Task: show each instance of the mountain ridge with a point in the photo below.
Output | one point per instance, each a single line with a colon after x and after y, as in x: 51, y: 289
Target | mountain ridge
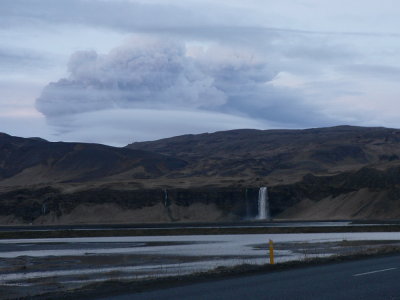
x: 52, y: 162
x: 277, y: 153
x: 341, y: 172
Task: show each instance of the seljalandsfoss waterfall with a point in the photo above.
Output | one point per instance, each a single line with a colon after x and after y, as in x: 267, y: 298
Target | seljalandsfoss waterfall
x: 263, y: 204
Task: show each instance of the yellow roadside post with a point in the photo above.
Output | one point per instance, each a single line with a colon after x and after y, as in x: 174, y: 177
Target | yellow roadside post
x: 271, y: 252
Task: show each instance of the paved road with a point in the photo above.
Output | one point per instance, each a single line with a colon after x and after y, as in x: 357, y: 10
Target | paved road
x: 377, y: 278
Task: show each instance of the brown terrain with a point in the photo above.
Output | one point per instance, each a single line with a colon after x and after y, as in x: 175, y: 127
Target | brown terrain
x: 340, y: 172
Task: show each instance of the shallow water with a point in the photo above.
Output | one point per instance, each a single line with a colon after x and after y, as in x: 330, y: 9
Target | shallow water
x: 72, y: 262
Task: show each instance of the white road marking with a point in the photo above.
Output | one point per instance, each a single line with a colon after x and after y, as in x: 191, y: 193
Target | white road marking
x: 372, y: 272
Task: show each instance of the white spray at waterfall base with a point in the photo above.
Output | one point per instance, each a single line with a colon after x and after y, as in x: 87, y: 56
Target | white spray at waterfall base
x: 263, y: 204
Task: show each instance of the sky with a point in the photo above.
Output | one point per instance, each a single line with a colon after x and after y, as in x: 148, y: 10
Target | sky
x: 120, y: 71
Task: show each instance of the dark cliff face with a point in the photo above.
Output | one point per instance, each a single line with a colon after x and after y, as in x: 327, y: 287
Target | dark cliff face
x: 29, y: 204
x: 316, y: 188
x: 237, y: 203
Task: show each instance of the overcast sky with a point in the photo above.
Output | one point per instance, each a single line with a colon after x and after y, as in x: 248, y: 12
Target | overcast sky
x: 117, y: 71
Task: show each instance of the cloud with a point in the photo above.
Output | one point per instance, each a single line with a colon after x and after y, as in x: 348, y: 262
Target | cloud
x: 12, y: 58
x: 163, y: 75
x: 121, y: 15
x: 379, y: 72
x: 242, y: 23
x: 232, y: 23
x: 215, y: 58
x: 119, y: 127
x: 144, y: 73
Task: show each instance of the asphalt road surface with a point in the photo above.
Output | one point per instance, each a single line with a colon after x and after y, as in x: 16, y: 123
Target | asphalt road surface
x: 374, y: 278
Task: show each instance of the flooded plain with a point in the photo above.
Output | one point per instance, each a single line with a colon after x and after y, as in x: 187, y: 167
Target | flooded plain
x: 35, y: 266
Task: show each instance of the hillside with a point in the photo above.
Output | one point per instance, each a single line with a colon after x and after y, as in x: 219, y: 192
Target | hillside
x: 27, y: 161
x: 340, y: 172
x: 280, y: 156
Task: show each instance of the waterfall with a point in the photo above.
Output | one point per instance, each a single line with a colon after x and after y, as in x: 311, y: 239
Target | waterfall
x: 165, y: 197
x: 263, y: 204
x: 44, y: 209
